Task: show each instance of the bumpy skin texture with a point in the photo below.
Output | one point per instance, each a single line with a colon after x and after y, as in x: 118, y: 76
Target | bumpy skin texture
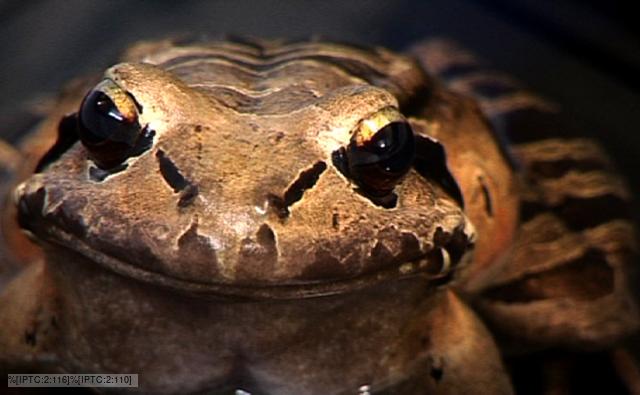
x: 567, y: 277
x: 255, y: 275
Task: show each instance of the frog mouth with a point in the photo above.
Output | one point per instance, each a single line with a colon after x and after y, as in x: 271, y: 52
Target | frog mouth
x: 67, y: 239
x: 417, y: 268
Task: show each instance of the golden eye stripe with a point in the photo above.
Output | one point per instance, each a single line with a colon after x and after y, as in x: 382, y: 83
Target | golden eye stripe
x: 368, y: 127
x: 120, y: 98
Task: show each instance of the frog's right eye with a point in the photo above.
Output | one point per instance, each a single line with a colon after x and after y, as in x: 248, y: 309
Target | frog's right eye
x: 108, y: 124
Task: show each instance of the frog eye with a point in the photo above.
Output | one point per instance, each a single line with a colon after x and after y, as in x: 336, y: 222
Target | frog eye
x: 108, y: 124
x: 379, y: 155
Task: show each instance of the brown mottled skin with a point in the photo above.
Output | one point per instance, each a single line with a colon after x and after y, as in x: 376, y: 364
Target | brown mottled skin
x: 231, y: 284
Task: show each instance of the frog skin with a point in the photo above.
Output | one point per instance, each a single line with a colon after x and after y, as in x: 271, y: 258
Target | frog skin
x: 224, y: 230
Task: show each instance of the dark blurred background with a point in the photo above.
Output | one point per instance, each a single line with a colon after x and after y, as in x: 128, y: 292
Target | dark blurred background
x: 584, y: 55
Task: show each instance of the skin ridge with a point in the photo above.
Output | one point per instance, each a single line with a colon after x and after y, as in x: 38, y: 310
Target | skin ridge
x: 574, y: 207
x: 252, y: 73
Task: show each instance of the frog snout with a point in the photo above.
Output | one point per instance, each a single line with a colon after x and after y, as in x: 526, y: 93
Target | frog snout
x: 38, y: 207
x: 29, y: 206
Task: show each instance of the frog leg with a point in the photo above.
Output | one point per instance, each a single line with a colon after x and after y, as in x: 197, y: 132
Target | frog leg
x: 464, y: 355
x: 565, y: 281
x: 17, y: 161
x: 9, y: 160
x: 441, y: 348
x: 29, y: 323
x: 27, y: 318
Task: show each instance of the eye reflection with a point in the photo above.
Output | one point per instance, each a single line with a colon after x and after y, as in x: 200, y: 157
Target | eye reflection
x: 108, y: 124
x: 380, y: 153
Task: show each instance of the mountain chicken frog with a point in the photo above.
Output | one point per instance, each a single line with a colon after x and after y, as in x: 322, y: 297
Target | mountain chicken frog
x: 308, y: 218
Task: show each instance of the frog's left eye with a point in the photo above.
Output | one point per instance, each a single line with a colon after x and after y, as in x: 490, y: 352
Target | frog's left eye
x: 108, y: 124
x: 379, y: 155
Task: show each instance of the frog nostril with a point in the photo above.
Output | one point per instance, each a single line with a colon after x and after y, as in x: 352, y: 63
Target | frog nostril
x: 170, y: 172
x: 305, y: 180
x: 174, y: 178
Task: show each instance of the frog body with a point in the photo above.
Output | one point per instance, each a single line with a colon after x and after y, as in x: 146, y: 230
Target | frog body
x: 307, y: 218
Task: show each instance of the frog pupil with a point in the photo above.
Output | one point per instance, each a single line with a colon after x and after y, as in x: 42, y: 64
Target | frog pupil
x: 101, y: 120
x: 391, y: 151
x: 379, y: 164
x: 109, y: 135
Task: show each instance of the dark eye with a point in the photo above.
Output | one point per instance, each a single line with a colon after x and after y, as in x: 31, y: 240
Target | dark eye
x: 380, y: 153
x: 108, y: 124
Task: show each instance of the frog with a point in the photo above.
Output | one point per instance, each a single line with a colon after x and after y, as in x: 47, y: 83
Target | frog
x: 308, y: 217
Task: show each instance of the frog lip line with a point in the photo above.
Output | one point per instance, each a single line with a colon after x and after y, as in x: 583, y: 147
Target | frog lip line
x: 56, y: 235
